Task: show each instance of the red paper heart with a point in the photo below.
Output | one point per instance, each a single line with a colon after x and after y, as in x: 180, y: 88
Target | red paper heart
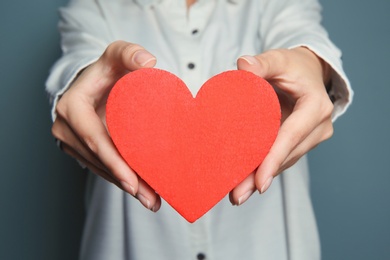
x: 192, y: 151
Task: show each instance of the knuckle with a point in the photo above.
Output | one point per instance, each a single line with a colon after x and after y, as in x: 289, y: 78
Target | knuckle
x: 328, y: 108
x: 120, y: 48
x: 296, y: 138
x: 293, y: 160
x: 112, y: 48
x: 129, y: 49
x: 279, y: 56
x: 117, y: 55
x: 328, y: 133
x: 293, y: 138
x: 59, y: 129
x: 92, y: 144
x: 56, y: 130
x: 65, y: 102
x: 61, y: 108
x: 324, y: 107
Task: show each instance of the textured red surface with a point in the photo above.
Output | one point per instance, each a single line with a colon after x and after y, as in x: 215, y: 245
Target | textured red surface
x: 193, y: 151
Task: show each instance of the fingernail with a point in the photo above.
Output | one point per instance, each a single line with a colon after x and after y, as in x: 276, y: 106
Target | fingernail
x: 244, y: 197
x: 144, y: 201
x: 143, y: 57
x: 266, y: 185
x: 250, y: 59
x: 128, y: 188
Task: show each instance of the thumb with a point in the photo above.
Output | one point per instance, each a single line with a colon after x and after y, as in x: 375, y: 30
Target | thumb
x: 268, y: 65
x: 121, y: 55
x: 118, y: 59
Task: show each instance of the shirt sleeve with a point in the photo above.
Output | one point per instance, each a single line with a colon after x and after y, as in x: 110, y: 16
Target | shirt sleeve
x: 84, y: 36
x: 293, y: 23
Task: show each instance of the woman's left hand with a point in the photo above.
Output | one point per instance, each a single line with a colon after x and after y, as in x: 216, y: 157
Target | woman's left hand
x: 299, y: 78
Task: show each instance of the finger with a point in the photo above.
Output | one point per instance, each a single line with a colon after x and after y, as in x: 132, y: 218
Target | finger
x: 62, y: 131
x: 86, y: 124
x: 147, y: 196
x: 119, y: 58
x: 121, y: 54
x: 70, y: 151
x: 280, y: 68
x: 323, y: 130
x: 284, y: 69
x: 90, y: 90
x: 318, y: 135
x: 286, y: 66
x: 243, y: 191
x: 97, y: 140
x: 294, y: 130
x: 268, y: 65
x: 71, y: 145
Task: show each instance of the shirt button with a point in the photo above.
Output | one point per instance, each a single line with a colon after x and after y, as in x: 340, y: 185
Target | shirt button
x: 191, y: 65
x: 201, y: 256
x: 195, y: 31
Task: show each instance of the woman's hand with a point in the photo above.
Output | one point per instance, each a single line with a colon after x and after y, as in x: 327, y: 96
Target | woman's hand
x: 299, y: 78
x: 80, y: 123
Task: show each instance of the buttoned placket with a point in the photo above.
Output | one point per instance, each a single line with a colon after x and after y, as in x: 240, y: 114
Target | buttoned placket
x: 185, y: 28
x: 200, y: 240
x: 189, y: 52
x: 197, y: 19
x: 191, y: 56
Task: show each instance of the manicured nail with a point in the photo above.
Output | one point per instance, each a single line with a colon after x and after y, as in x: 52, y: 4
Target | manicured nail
x: 244, y: 197
x: 266, y: 185
x: 156, y: 206
x: 250, y: 59
x: 144, y: 201
x: 143, y: 57
x: 128, y: 188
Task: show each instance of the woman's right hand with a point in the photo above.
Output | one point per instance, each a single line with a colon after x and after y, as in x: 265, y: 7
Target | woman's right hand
x: 81, y: 127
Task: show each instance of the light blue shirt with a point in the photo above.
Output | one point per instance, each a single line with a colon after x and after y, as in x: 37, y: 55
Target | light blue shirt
x: 196, y: 44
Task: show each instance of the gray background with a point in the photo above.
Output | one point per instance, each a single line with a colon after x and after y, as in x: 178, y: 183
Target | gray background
x: 41, y: 190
